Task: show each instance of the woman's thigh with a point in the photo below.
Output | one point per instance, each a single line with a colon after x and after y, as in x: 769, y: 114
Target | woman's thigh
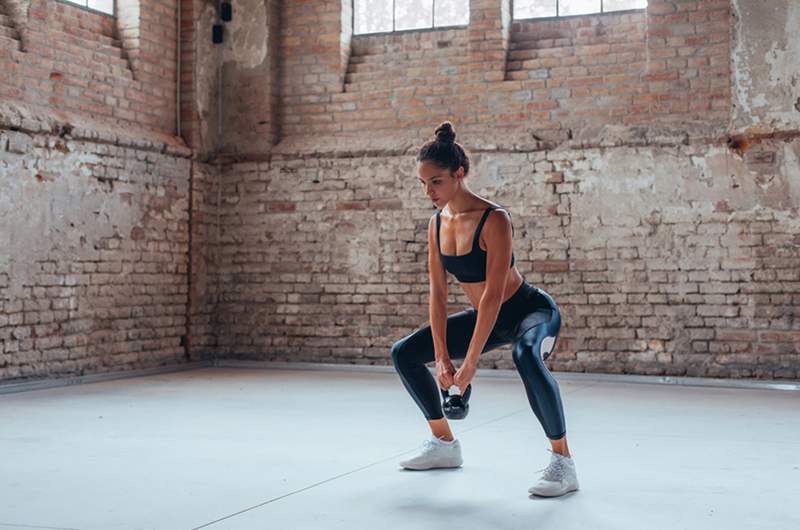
x: 418, y: 346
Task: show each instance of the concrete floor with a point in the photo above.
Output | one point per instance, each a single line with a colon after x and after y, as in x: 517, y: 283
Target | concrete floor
x: 233, y: 448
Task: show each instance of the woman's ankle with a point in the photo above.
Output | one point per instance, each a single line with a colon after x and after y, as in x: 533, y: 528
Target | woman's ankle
x: 441, y: 429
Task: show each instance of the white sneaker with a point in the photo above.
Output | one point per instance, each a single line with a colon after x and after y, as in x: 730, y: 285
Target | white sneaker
x: 558, y: 478
x: 435, y: 454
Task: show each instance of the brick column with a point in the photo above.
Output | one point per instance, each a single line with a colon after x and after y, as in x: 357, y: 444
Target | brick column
x: 688, y: 58
x: 314, y: 50
x: 489, y: 30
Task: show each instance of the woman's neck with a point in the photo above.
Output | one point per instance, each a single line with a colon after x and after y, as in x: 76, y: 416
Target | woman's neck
x: 461, y: 202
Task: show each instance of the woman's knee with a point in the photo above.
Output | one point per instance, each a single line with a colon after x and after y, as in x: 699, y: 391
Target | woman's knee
x: 397, y: 353
x: 519, y: 352
x: 527, y: 352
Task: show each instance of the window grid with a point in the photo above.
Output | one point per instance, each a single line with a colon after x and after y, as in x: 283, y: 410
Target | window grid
x: 559, y: 14
x: 394, y: 18
x: 558, y: 11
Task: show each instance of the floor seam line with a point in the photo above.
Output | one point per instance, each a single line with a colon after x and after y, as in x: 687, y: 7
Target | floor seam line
x: 341, y: 475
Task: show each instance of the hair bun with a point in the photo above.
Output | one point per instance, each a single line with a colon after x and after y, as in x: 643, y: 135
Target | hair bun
x: 445, y: 133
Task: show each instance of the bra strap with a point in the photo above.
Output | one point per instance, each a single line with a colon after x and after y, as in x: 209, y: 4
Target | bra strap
x: 438, y: 223
x: 483, y: 220
x: 477, y: 236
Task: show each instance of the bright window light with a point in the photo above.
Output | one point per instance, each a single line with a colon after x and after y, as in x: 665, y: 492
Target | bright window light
x: 104, y: 6
x: 376, y: 16
x: 565, y: 8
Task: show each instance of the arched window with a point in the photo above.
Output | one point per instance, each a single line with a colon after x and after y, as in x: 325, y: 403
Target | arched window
x: 379, y: 16
x: 103, y: 6
x: 565, y: 8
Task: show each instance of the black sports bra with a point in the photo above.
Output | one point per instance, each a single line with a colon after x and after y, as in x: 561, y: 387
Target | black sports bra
x: 471, y: 267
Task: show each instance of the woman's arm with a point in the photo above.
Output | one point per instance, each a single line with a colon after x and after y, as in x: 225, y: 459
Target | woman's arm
x: 498, y: 248
x: 437, y: 305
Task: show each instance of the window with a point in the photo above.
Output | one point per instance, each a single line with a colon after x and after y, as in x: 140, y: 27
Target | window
x: 104, y: 6
x: 564, y: 8
x: 376, y: 16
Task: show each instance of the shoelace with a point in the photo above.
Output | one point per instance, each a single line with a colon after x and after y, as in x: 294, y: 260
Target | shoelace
x: 555, y: 471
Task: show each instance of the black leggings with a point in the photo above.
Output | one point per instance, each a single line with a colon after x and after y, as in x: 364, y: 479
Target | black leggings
x: 530, y: 319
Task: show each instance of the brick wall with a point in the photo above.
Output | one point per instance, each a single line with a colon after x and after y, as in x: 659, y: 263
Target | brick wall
x: 688, y: 65
x: 75, y: 60
x: 673, y: 260
x: 668, y: 238
x: 199, y: 77
x: 250, y: 78
x: 95, y: 236
x: 101, y: 205
x: 203, y: 250
x: 670, y: 249
x: 670, y: 62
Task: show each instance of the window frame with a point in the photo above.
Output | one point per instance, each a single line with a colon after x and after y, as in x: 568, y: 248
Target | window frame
x: 601, y: 12
x: 393, y: 30
x: 74, y: 3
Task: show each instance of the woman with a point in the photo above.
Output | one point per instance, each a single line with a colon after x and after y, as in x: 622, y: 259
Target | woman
x: 505, y: 310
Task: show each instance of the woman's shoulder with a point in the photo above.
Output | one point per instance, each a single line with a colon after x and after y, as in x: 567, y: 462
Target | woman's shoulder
x: 495, y: 207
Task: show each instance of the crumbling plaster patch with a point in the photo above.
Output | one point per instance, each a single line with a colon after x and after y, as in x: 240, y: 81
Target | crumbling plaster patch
x: 206, y: 78
x: 620, y: 187
x: 249, y: 34
x: 766, y: 65
x: 49, y: 208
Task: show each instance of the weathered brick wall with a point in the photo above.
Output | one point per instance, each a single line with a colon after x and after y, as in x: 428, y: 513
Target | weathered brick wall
x: 668, y: 238
x: 688, y: 60
x: 199, y: 77
x: 67, y: 58
x: 250, y: 76
x: 93, y: 260
x: 98, y: 221
x: 95, y: 246
x: 678, y: 259
x: 670, y: 62
x: 653, y: 188
x: 204, y: 234
x: 311, y: 49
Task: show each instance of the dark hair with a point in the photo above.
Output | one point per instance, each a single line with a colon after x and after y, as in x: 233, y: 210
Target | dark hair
x: 444, y: 151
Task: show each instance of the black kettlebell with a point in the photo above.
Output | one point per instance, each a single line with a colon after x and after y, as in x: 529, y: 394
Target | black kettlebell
x: 456, y: 406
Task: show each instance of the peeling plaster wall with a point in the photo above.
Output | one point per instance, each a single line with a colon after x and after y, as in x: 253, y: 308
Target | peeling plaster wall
x: 677, y: 259
x: 249, y: 75
x: 247, y: 34
x: 204, y: 94
x: 95, y: 245
x: 766, y: 65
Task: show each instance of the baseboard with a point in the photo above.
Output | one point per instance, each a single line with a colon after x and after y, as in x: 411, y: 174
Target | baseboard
x: 759, y: 384
x: 41, y: 384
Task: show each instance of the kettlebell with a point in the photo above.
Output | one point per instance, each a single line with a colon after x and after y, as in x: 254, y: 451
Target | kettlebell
x: 456, y: 406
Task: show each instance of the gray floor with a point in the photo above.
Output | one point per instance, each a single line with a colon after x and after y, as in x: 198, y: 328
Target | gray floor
x: 233, y: 448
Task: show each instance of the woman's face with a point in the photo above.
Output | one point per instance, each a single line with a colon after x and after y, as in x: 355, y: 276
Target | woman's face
x: 439, y: 184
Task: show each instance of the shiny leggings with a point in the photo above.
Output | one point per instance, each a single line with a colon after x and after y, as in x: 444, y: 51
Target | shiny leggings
x: 530, y: 320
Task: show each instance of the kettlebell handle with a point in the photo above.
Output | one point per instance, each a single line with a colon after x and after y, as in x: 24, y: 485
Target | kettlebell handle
x: 467, y: 392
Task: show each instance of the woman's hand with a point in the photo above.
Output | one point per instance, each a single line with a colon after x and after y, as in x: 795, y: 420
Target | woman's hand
x: 465, y: 374
x: 444, y: 373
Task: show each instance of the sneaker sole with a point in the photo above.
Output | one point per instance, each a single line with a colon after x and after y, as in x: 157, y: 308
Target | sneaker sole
x: 448, y: 466
x: 553, y: 494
